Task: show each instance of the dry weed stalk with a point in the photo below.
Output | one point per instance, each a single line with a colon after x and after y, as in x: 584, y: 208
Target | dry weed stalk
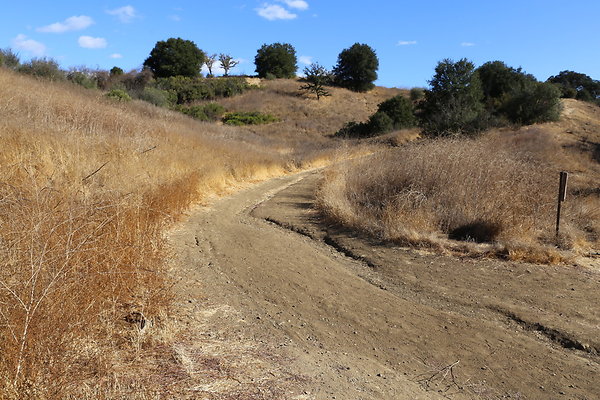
x: 499, y: 189
x: 84, y: 206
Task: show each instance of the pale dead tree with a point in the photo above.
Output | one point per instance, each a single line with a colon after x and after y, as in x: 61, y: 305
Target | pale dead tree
x: 227, y: 62
x: 210, y: 61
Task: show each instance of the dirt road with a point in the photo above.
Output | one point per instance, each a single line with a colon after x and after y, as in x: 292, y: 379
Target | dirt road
x: 289, y: 308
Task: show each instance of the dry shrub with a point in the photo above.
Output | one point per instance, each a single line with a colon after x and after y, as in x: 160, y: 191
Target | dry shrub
x: 88, y: 188
x: 500, y: 189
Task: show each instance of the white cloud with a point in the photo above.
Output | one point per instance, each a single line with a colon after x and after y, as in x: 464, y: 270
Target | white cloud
x: 88, y: 42
x: 467, y: 44
x: 306, y: 60
x: 116, y: 55
x: 124, y: 14
x: 406, y: 43
x: 30, y: 46
x: 175, y: 18
x: 274, y: 12
x: 297, y: 4
x: 75, y: 23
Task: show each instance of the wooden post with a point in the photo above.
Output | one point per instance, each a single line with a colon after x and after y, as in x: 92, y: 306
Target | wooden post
x: 562, y: 196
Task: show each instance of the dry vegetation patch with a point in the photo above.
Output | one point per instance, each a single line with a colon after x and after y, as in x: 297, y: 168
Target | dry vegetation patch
x: 495, y: 194
x: 88, y: 187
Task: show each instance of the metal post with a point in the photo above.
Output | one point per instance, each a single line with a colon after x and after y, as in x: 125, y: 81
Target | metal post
x: 562, y: 196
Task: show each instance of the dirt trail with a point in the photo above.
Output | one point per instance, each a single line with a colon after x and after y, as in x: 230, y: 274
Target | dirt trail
x: 314, y: 313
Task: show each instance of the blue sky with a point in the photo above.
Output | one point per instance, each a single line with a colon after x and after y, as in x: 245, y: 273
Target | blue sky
x: 409, y: 37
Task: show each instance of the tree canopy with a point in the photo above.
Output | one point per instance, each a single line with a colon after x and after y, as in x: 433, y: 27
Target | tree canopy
x: 577, y: 85
x: 454, y: 102
x: 175, y: 57
x: 356, y: 68
x: 277, y: 60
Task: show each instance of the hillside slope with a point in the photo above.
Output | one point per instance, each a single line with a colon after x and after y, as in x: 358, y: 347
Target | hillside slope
x: 494, y: 194
x: 88, y: 187
x: 302, y: 113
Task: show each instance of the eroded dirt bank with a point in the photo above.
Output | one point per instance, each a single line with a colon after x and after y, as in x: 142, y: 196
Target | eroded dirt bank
x: 316, y: 313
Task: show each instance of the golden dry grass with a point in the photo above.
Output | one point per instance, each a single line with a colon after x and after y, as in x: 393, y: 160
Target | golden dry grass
x: 499, y: 189
x: 88, y: 188
x: 302, y: 115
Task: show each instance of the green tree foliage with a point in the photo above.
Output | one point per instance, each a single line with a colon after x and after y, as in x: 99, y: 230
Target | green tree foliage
x: 84, y: 77
x: 392, y: 114
x: 227, y: 63
x: 116, y: 71
x: 175, y: 57
x: 9, y: 59
x: 513, y: 95
x: 277, y: 59
x: 499, y: 82
x: 453, y: 105
x: 577, y: 85
x: 46, y: 68
x: 538, y: 102
x: 356, y: 68
x: 400, y: 110
x: 417, y: 94
x: 316, y: 77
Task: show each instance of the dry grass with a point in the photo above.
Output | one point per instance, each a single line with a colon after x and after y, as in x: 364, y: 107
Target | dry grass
x: 493, y: 195
x: 301, y: 114
x: 87, y: 189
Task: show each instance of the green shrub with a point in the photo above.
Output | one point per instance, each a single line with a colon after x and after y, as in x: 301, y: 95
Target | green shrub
x: 394, y: 113
x: 118, y: 94
x: 379, y: 123
x: 417, y: 93
x: 189, y: 90
x: 158, y: 97
x: 45, y: 68
x: 352, y: 129
x: 400, y: 110
x: 539, y: 102
x: 248, y: 118
x: 9, y: 59
x: 83, y: 77
x: 206, y: 112
x: 214, y: 111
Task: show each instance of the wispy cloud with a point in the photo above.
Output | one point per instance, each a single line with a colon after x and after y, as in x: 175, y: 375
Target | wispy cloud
x: 274, y: 12
x: 116, y: 56
x: 30, y: 46
x: 306, y: 60
x: 175, y: 18
x: 297, y: 4
x: 124, y: 14
x: 467, y: 44
x: 88, y: 42
x: 406, y: 43
x: 75, y: 23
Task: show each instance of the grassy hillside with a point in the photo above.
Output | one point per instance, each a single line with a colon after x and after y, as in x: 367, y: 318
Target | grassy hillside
x: 495, y: 194
x: 301, y: 113
x: 88, y: 187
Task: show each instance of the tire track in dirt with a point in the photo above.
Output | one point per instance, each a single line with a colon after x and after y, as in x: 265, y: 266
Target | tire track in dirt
x: 324, y: 319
